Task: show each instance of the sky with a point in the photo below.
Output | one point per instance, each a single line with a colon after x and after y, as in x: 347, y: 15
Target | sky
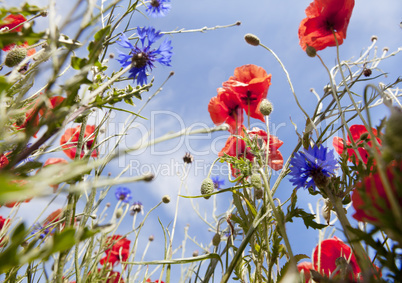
x: 201, y: 62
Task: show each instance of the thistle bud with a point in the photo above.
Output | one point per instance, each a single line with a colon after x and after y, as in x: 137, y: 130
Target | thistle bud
x: 252, y: 39
x: 311, y: 51
x: 15, y: 56
x: 266, y: 107
x: 216, y: 239
x: 207, y: 187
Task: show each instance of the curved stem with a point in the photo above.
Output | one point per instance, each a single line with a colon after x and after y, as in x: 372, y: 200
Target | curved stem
x: 362, y: 257
x: 288, y: 78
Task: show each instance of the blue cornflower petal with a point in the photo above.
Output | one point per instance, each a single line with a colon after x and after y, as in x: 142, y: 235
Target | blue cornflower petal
x: 310, y: 162
x: 218, y: 182
x: 124, y: 42
x: 158, y: 8
x: 142, y: 58
x: 123, y: 194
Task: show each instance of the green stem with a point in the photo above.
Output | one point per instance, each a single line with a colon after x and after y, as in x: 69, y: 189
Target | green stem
x: 353, y: 240
x: 279, y: 219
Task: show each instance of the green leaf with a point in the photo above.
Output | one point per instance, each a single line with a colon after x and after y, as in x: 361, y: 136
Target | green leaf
x: 285, y: 267
x: 8, y: 257
x: 95, y: 47
x: 11, y: 191
x: 78, y: 63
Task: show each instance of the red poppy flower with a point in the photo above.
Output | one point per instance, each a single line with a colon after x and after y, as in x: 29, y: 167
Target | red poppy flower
x: 14, y: 203
x: 156, y: 281
x: 226, y: 108
x: 3, y: 223
x: 369, y: 198
x: 324, y: 258
x: 251, y: 83
x: 53, y: 103
x: 53, y: 217
x: 275, y: 156
x: 10, y: 22
x: 118, y: 250
x: 112, y: 277
x: 31, y: 119
x: 70, y: 138
x: 331, y: 249
x: 305, y: 267
x: 237, y: 148
x: 357, y: 131
x: 323, y: 17
x: 3, y: 161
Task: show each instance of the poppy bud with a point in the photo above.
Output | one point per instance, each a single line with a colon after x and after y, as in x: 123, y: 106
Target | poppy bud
x: 266, y: 107
x: 252, y: 39
x: 15, y: 56
x: 311, y: 51
x: 364, y: 136
x: 195, y: 253
x: 207, y: 187
x: 166, y: 199
x: 255, y: 181
x: 374, y: 37
x: 149, y: 177
x: 216, y: 239
x: 347, y: 199
x: 151, y: 238
x: 119, y: 213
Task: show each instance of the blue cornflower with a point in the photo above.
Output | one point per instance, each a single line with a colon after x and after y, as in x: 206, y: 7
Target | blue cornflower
x: 142, y: 58
x: 312, y: 165
x: 218, y: 182
x: 123, y: 194
x: 38, y: 228
x: 158, y: 8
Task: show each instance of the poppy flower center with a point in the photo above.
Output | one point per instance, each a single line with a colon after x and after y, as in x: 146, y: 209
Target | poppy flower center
x: 329, y: 25
x: 140, y: 59
x: 155, y: 3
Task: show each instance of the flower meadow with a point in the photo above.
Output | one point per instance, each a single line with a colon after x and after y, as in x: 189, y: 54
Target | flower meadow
x: 137, y: 147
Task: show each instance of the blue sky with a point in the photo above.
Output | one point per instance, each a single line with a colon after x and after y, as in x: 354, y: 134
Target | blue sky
x: 201, y: 62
